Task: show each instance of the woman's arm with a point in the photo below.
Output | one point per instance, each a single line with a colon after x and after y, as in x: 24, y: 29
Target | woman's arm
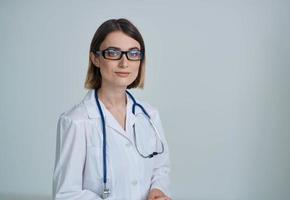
x: 160, y: 179
x: 69, y: 162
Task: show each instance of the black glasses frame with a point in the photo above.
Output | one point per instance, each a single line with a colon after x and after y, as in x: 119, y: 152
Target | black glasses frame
x: 103, y: 53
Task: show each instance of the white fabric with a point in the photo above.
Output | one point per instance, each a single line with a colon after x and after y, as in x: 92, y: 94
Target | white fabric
x: 78, y: 171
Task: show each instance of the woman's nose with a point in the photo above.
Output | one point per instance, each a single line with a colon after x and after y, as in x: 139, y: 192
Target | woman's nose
x: 124, y: 61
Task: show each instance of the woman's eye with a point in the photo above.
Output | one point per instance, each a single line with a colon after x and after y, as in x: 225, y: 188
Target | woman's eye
x: 113, y: 53
x: 134, y: 53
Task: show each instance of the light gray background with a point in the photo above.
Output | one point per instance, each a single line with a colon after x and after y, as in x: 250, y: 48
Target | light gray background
x: 218, y: 71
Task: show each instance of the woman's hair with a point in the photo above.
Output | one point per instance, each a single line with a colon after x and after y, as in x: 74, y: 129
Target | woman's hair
x: 94, y: 78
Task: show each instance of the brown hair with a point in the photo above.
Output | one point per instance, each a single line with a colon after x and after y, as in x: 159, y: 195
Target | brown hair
x: 94, y: 78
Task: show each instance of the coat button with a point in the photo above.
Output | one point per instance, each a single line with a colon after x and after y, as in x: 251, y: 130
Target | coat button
x: 135, y: 182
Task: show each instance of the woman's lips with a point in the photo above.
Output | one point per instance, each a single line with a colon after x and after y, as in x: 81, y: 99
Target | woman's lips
x: 122, y: 74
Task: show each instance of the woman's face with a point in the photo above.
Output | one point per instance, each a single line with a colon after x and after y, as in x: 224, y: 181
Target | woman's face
x: 117, y: 73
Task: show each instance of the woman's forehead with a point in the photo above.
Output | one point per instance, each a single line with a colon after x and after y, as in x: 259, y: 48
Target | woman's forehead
x: 120, y: 40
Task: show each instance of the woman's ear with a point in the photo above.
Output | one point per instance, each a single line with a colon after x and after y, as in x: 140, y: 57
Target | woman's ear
x: 95, y: 60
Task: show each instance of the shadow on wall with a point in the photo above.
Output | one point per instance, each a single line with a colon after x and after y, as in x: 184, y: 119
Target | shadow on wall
x: 24, y: 197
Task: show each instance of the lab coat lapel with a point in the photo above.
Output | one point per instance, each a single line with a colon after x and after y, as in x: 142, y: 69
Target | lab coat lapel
x: 113, y: 123
x: 91, y: 105
x: 130, y: 119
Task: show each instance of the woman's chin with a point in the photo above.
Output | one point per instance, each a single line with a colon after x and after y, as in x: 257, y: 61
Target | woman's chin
x: 124, y: 81
x: 123, y: 84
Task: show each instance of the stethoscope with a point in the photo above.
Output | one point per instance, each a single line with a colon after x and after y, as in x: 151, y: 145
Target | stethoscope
x: 106, y: 190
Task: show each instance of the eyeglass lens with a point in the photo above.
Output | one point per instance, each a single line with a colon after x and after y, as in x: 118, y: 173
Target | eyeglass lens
x: 115, y: 54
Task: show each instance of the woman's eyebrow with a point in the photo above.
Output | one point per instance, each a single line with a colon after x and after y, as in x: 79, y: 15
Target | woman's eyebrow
x: 112, y: 47
x: 134, y: 48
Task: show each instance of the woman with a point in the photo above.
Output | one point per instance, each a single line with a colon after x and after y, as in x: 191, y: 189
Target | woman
x: 106, y: 147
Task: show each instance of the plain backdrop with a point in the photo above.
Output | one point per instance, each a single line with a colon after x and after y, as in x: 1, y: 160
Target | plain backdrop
x: 218, y: 71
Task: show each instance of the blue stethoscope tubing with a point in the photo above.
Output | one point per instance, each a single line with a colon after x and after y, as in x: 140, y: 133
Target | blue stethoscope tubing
x: 106, y: 191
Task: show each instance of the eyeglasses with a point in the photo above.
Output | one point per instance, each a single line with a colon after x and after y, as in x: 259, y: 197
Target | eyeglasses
x: 116, y: 54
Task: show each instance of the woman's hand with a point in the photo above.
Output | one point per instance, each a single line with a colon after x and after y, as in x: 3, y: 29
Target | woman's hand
x: 156, y: 194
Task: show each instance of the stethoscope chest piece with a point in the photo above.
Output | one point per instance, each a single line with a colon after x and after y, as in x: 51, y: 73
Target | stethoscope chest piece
x: 106, y: 193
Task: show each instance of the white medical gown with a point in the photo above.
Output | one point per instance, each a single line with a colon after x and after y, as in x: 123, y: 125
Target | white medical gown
x: 78, y: 171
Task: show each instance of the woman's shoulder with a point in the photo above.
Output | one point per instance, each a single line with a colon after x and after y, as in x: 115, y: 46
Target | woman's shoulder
x: 77, y: 112
x: 150, y: 108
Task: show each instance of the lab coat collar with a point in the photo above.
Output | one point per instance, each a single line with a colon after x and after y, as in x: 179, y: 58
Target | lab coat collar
x: 93, y: 112
x: 91, y: 105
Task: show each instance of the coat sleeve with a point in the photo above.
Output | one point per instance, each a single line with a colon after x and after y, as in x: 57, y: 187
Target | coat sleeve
x: 160, y: 179
x: 69, y: 161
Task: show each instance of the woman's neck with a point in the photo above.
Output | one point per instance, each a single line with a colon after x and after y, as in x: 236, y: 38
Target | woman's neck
x: 113, y: 97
